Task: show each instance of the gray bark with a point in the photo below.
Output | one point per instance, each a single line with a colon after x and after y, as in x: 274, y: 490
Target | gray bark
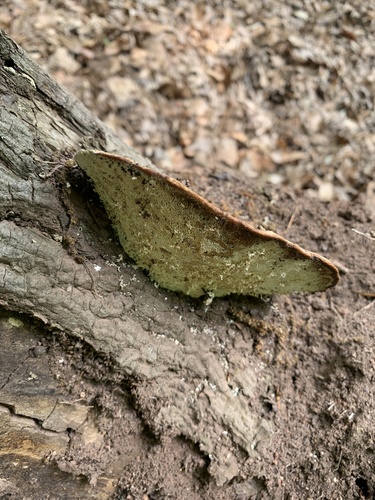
x: 164, y: 342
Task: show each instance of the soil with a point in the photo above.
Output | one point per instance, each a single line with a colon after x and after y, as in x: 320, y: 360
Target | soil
x: 319, y: 347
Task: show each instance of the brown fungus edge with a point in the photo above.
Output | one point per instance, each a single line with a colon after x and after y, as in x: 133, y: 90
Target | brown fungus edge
x: 242, y: 228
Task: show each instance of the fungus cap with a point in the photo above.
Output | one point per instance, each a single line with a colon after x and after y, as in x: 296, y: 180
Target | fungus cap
x: 189, y: 245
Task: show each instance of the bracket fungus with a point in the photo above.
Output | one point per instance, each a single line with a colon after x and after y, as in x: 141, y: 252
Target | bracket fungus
x: 189, y: 245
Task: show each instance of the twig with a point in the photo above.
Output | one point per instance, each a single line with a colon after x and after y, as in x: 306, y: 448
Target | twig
x: 366, y: 235
x: 291, y: 220
x: 364, y: 308
x: 339, y: 462
x: 368, y: 295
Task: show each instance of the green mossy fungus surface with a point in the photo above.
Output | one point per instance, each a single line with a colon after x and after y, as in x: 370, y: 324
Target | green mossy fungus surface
x: 188, y: 245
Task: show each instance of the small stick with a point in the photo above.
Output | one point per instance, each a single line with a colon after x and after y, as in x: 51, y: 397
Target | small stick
x: 366, y: 235
x: 291, y: 220
x: 369, y: 295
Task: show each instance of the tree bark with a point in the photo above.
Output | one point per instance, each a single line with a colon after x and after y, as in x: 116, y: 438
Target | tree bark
x: 162, y: 343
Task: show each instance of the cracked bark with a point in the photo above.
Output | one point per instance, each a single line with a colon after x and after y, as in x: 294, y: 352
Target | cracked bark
x: 159, y: 340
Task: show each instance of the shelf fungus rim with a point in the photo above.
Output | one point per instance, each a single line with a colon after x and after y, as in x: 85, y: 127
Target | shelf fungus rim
x: 189, y: 245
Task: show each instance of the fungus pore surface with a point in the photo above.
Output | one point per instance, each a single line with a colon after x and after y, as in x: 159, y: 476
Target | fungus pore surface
x: 189, y: 245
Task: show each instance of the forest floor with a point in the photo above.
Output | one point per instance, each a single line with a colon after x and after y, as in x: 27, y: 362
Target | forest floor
x: 228, y: 95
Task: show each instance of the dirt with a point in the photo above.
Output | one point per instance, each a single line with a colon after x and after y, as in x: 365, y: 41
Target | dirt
x: 302, y: 138
x: 318, y: 348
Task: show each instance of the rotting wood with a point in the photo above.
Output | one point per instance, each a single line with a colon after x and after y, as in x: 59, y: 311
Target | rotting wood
x: 155, y: 337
